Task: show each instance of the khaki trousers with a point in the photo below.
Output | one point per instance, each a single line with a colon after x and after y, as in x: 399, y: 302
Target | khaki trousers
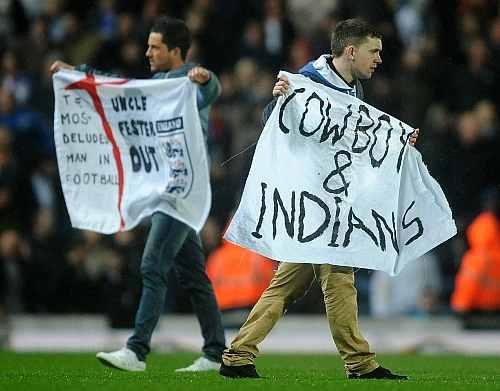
x: 291, y: 281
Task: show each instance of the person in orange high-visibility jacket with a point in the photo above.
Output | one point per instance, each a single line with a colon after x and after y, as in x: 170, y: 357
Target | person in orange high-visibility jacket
x: 238, y: 275
x: 477, y: 284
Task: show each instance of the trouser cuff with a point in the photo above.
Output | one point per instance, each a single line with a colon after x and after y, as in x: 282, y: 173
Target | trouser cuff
x: 232, y: 358
x: 363, y: 368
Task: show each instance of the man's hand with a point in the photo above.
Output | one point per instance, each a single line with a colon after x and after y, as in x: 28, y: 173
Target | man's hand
x: 199, y: 75
x: 414, y: 137
x: 281, y: 86
x: 58, y: 65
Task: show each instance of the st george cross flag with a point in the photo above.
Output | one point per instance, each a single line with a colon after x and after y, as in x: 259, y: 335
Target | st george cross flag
x: 334, y: 180
x: 129, y: 148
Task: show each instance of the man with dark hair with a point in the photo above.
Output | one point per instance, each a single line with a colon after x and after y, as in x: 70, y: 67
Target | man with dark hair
x: 356, y: 49
x: 351, y: 32
x: 171, y: 243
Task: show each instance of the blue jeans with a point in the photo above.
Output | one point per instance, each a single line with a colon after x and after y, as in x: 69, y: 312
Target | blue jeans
x: 172, y: 243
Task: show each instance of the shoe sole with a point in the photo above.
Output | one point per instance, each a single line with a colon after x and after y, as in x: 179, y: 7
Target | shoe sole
x: 109, y: 364
x: 197, y: 370
x: 379, y: 378
x: 232, y: 375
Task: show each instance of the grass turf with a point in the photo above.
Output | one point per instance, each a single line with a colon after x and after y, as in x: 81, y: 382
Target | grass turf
x: 77, y: 371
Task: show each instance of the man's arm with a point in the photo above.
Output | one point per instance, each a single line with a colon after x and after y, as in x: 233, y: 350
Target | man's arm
x: 58, y: 65
x: 414, y: 137
x: 279, y: 89
x: 209, y: 86
x: 85, y: 68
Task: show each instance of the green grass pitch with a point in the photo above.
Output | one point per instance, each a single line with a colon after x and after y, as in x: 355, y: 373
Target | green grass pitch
x: 81, y: 371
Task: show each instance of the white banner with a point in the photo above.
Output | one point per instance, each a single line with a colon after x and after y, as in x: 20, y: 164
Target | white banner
x: 129, y: 148
x: 334, y: 180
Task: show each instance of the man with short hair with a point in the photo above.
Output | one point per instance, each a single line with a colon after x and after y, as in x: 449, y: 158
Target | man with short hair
x: 171, y: 243
x: 356, y: 49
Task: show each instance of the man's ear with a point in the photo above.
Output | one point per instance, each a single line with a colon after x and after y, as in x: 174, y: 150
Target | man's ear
x: 350, y: 51
x: 177, y: 51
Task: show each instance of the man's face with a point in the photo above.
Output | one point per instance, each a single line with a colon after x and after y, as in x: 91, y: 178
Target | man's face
x: 158, y: 54
x: 366, y: 58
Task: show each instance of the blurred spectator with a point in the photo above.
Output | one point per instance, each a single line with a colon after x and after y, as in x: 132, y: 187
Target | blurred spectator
x: 321, y: 34
x: 210, y: 235
x: 18, y: 17
x: 307, y: 14
x: 39, y: 45
x: 300, y: 54
x: 75, y: 287
x: 150, y: 11
x: 16, y: 198
x: 43, y: 182
x: 409, y: 20
x: 476, y: 80
x: 121, y: 53
x: 472, y: 153
x: 415, y: 100
x: 486, y: 114
x: 79, y: 44
x: 14, y: 258
x: 14, y: 80
x: 494, y: 43
x: 415, y: 291
x: 380, y: 93
x: 55, y: 20
x: 477, y: 285
x: 43, y: 91
x: 45, y: 264
x: 435, y: 146
x: 104, y: 19
x: 252, y: 44
x: 10, y: 283
x: 279, y: 32
x: 121, y: 279
x: 4, y: 287
x: 4, y: 323
x: 8, y: 207
x: 238, y: 275
x: 32, y: 136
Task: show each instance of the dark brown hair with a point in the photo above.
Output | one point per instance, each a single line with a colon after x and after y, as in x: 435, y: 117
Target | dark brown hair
x: 351, y: 32
x: 174, y: 33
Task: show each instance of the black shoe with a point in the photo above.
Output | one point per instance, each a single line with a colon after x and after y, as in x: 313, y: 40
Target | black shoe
x: 378, y: 373
x: 239, y: 371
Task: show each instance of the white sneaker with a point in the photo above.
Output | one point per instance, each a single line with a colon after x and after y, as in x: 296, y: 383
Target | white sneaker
x: 124, y: 359
x: 201, y: 364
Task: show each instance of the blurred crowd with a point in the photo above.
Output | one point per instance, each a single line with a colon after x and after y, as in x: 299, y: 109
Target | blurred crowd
x: 440, y: 72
